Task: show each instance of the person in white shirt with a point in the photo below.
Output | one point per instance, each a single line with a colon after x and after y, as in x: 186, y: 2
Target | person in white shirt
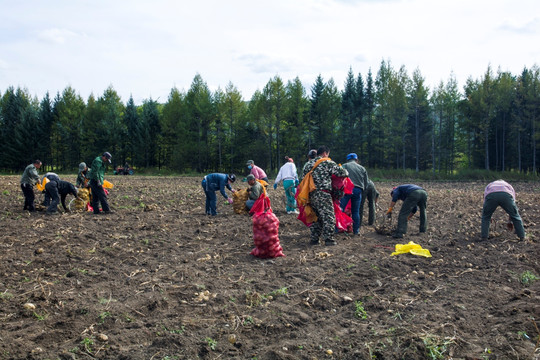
x: 287, y: 173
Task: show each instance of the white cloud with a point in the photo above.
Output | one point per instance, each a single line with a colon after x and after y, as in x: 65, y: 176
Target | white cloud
x: 57, y: 36
x: 3, y: 65
x: 146, y: 48
x: 530, y: 27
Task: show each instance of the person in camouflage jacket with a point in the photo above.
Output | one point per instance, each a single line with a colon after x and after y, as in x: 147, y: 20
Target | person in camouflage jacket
x: 321, y: 198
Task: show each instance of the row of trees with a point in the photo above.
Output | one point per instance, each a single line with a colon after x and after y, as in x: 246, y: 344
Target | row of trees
x: 392, y: 120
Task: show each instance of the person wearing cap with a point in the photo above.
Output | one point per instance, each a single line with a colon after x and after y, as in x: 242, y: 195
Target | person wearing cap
x: 212, y: 183
x: 82, y: 176
x: 287, y: 173
x: 256, y: 171
x: 413, y: 197
x: 322, y: 168
x: 312, y: 154
x: 57, y: 190
x: 29, y: 178
x: 372, y: 195
x: 254, y: 191
x: 500, y: 193
x: 97, y: 175
x: 359, y: 177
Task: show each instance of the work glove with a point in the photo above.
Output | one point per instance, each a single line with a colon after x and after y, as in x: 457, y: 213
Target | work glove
x: 389, y: 213
x: 230, y: 200
x: 510, y: 226
x: 275, y: 186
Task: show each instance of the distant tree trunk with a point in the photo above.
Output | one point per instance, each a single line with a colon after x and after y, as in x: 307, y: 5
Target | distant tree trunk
x: 433, y: 149
x: 519, y: 148
x: 440, y: 141
x: 533, y: 134
x: 486, y: 141
x: 417, y: 139
x: 496, y: 148
x: 503, y: 152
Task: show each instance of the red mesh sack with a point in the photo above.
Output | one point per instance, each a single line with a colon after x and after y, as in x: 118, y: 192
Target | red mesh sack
x: 265, y: 230
x: 343, y: 221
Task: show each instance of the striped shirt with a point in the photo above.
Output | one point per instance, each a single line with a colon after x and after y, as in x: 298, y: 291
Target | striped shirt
x: 500, y: 186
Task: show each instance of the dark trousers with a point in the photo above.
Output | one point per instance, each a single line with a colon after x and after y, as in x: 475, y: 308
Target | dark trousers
x: 356, y: 199
x: 98, y: 196
x: 415, y: 198
x: 51, y: 192
x: 29, y: 197
x: 506, y: 201
x: 371, y: 197
x: 211, y: 199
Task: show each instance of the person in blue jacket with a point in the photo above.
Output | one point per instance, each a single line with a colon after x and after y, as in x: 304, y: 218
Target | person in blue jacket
x: 413, y: 197
x: 212, y: 183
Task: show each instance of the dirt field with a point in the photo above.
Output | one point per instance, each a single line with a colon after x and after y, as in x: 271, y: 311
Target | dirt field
x: 160, y: 280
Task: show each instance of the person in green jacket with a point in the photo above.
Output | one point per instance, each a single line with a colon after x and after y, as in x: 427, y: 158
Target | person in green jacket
x: 29, y: 178
x: 372, y: 196
x: 255, y: 190
x: 97, y: 174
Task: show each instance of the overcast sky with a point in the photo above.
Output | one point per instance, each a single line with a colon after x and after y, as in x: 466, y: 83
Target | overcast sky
x: 145, y: 48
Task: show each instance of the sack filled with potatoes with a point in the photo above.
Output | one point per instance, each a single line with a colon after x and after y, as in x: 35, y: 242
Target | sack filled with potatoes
x: 239, y: 201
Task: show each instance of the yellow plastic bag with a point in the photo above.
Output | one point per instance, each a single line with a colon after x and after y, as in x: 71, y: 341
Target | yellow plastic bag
x: 41, y: 186
x: 412, y: 248
x: 107, y: 185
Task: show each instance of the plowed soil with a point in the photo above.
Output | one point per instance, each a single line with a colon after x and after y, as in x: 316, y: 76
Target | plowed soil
x: 158, y: 279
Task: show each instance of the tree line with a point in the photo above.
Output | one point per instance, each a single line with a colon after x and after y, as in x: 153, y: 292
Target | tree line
x: 391, y: 120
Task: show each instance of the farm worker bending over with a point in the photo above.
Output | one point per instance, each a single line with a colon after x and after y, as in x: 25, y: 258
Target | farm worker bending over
x: 413, y: 196
x: 50, y: 176
x: 29, y: 178
x: 58, y: 187
x: 212, y: 183
x: 82, y: 177
x: 372, y: 196
x: 320, y: 198
x: 256, y: 171
x: 500, y: 193
x: 99, y: 165
x: 359, y: 177
x: 254, y: 191
x: 287, y: 173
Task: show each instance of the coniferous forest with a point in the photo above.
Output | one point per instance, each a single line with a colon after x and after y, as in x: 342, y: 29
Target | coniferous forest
x: 391, y: 119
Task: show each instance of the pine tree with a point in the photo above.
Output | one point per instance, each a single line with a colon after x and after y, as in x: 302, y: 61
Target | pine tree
x: 199, y: 116
x: 172, y: 131
x: 134, y: 142
x: 296, y: 120
x: 347, y: 128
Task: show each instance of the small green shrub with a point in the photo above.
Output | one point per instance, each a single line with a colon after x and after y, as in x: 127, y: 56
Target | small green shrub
x: 359, y: 311
x: 528, y: 277
x: 212, y: 344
